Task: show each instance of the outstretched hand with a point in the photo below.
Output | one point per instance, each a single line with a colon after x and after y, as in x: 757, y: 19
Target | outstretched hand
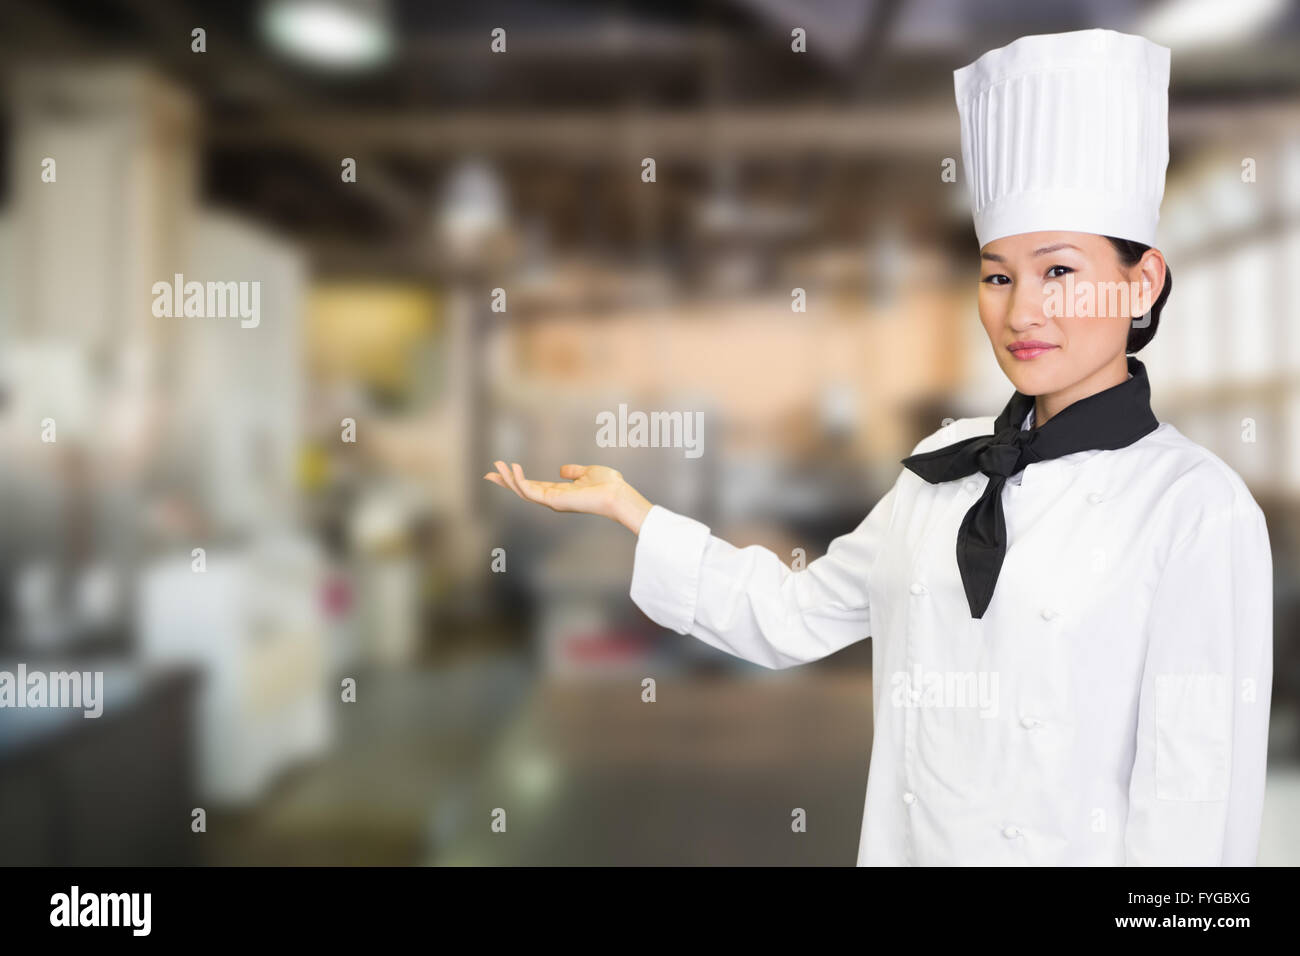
x: 592, y: 489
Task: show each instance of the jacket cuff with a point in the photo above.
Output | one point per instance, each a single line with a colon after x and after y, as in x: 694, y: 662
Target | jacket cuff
x: 666, y: 567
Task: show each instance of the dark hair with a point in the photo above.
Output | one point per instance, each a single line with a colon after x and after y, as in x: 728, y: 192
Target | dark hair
x: 1142, y: 331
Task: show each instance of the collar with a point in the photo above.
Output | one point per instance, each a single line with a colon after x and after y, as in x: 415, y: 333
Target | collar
x: 1077, y: 458
x: 1112, y: 418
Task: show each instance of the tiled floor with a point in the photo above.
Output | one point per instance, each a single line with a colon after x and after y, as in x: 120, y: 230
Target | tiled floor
x: 586, y: 773
x: 708, y: 774
x: 411, y: 741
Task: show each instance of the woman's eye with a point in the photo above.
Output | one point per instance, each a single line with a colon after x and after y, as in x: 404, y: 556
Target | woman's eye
x: 1052, y: 270
x: 995, y: 279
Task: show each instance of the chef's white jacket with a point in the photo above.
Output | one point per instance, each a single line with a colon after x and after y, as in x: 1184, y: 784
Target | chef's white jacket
x: 1110, y: 708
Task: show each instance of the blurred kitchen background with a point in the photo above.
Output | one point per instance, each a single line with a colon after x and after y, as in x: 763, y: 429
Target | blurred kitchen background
x: 222, y: 156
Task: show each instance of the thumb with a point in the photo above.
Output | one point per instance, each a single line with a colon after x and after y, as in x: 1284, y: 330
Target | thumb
x: 572, y: 471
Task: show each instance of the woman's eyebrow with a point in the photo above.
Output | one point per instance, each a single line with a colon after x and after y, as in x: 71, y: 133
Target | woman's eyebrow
x: 993, y: 256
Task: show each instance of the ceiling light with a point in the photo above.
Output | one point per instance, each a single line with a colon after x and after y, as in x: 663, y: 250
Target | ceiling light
x: 1186, y: 24
x: 337, y: 33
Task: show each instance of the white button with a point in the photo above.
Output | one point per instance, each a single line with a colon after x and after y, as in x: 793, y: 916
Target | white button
x: 1095, y: 497
x: 1029, y: 722
x: 972, y: 485
x: 918, y: 587
x: 1049, y: 614
x: 1010, y: 832
x: 909, y: 798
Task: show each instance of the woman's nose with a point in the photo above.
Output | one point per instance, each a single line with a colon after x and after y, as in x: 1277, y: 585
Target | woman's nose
x: 1026, y: 307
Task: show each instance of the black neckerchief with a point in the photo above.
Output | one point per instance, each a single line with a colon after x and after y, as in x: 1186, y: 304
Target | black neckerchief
x: 1112, y: 418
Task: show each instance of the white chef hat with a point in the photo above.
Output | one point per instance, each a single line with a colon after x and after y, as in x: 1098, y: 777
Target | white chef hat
x: 1066, y: 131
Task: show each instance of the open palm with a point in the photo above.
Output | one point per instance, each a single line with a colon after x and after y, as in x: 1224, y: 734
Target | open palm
x: 592, y: 488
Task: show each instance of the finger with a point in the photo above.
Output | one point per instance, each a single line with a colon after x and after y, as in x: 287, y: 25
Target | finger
x: 533, y: 490
x: 525, y: 486
x: 493, y: 477
x: 572, y: 471
x: 508, y: 470
x: 508, y: 478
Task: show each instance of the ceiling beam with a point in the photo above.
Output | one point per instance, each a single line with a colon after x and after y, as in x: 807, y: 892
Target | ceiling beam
x: 687, y: 135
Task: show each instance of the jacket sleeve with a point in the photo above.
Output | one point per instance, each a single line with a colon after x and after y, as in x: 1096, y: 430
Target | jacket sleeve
x: 747, y: 601
x: 1196, y: 791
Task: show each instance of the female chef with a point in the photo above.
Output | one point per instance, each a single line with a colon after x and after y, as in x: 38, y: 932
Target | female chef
x: 1071, y: 602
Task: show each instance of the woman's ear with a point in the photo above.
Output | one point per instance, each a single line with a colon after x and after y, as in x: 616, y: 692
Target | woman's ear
x: 1151, y: 279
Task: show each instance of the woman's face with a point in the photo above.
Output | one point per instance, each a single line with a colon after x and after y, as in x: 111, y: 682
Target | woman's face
x: 1068, y: 292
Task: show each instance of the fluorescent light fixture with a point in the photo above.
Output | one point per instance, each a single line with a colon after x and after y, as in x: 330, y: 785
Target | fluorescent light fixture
x: 335, y: 33
x: 1187, y: 24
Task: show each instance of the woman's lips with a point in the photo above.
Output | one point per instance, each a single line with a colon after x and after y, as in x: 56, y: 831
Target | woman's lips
x: 1028, y: 351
